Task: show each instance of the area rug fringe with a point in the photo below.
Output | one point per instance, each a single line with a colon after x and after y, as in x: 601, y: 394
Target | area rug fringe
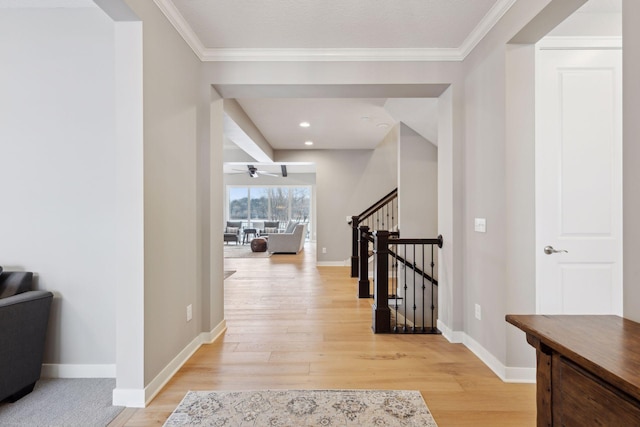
x: 302, y: 408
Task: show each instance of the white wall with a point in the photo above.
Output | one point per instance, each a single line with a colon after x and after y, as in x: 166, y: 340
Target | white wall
x: 491, y: 192
x: 520, y: 196
x: 631, y: 151
x: 589, y: 24
x: 484, y: 253
x: 347, y: 182
x: 58, y: 177
x: 417, y: 185
x: 172, y: 245
x: 449, y: 266
x: 211, y: 140
x: 129, y: 288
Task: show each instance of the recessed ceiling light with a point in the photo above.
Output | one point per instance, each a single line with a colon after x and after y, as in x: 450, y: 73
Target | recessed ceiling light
x: 308, y: 143
x: 365, y: 118
x: 304, y: 124
x: 383, y: 125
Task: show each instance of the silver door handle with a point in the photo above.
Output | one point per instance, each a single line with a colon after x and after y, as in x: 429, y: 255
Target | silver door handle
x: 549, y: 250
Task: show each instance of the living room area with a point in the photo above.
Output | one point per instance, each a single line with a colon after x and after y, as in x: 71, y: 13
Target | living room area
x: 270, y: 214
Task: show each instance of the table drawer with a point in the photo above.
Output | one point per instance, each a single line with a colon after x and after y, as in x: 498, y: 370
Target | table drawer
x: 581, y: 399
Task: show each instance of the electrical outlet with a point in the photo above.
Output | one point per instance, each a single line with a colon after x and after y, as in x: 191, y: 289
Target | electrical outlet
x: 324, y: 250
x: 478, y: 312
x: 189, y: 312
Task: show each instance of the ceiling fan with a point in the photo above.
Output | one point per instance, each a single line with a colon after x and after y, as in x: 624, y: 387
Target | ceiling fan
x: 254, y: 172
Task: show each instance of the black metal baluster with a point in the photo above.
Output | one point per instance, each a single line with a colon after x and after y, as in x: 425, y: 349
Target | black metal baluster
x: 406, y: 287
x: 433, y: 306
x: 423, y: 291
x: 415, y: 307
x: 363, y: 263
x: 394, y: 289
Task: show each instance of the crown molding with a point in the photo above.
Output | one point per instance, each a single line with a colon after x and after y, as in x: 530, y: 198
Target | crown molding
x: 181, y: 25
x: 49, y: 4
x: 361, y: 55
x: 358, y: 55
x: 482, y: 29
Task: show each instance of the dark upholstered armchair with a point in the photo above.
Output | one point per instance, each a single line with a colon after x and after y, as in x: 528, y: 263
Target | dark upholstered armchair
x: 232, y: 231
x: 24, y: 315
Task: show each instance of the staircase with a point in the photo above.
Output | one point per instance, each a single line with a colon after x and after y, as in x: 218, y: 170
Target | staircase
x: 405, y: 284
x: 382, y: 215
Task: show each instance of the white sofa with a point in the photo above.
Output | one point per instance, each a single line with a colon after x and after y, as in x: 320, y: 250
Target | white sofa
x: 291, y: 243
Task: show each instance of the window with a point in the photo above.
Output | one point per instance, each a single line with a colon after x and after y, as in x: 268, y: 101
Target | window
x: 259, y: 203
x: 279, y: 204
x: 300, y: 203
x: 256, y: 204
x: 238, y: 203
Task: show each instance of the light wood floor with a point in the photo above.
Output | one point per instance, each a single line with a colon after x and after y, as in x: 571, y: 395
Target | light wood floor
x: 292, y: 325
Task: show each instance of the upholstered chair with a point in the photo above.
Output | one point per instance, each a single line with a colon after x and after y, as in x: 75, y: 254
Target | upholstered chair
x: 232, y: 231
x: 270, y: 227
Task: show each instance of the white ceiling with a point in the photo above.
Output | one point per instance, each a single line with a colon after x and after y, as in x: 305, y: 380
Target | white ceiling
x: 355, y: 123
x: 241, y: 168
x: 336, y: 30
x: 276, y: 24
x: 360, y: 117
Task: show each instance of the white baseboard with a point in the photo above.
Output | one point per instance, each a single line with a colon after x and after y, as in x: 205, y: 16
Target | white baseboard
x: 505, y: 373
x: 53, y: 370
x: 172, y: 368
x: 131, y: 398
x: 332, y: 264
x: 214, y: 334
x: 455, y: 337
x: 520, y: 375
x: 139, y: 398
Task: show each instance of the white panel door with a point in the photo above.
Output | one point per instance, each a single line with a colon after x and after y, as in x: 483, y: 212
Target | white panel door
x: 579, y: 181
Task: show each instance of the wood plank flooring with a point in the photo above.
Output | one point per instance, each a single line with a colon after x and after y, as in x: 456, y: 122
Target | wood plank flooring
x: 292, y: 325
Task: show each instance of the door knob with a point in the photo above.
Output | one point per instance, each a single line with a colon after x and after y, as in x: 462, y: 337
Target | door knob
x: 549, y: 250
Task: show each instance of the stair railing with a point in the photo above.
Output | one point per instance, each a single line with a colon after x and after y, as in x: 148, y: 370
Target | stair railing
x: 382, y: 215
x: 408, y: 281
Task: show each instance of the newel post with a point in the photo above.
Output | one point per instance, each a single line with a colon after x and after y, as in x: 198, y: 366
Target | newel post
x: 363, y: 275
x: 354, y: 245
x: 381, y: 312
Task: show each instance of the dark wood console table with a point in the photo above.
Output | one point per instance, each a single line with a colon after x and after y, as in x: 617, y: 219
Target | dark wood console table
x: 588, y: 369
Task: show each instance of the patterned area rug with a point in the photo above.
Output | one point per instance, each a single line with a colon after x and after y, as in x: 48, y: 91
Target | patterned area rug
x: 301, y: 408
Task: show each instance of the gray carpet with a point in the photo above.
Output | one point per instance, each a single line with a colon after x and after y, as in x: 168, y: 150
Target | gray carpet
x: 82, y: 402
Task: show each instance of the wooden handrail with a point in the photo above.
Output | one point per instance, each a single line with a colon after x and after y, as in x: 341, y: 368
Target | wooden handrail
x: 357, y: 220
x: 377, y: 205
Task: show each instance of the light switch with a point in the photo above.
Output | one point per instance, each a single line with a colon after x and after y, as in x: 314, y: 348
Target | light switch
x: 480, y: 225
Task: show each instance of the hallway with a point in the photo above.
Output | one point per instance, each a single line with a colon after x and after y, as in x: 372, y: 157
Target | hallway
x: 292, y: 325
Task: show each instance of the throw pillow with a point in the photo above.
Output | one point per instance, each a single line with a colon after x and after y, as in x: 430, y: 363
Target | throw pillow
x: 15, y: 282
x: 291, y: 226
x: 270, y: 230
x: 232, y: 230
